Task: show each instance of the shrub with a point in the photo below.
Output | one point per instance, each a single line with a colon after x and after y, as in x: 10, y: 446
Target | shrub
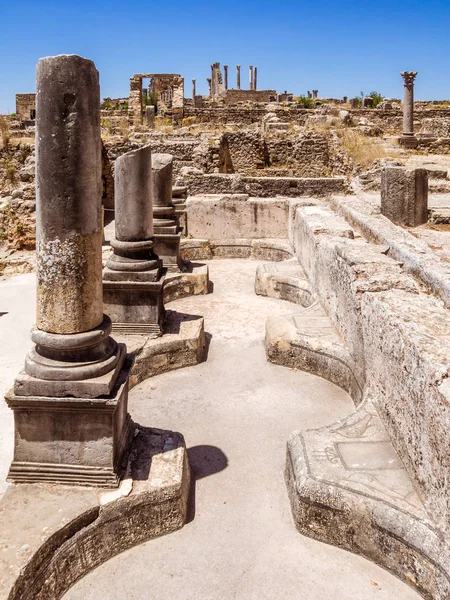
x: 305, y: 101
x: 377, y: 98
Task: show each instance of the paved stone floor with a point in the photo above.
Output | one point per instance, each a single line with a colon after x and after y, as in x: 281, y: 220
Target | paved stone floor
x: 236, y: 412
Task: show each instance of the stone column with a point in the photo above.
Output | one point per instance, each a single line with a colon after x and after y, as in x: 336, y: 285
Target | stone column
x: 150, y: 116
x: 132, y: 283
x: 250, y: 77
x: 315, y: 94
x: 167, y: 233
x: 404, y: 195
x: 213, y: 83
x: 238, y: 77
x: 408, y: 138
x: 309, y: 94
x: 209, y: 86
x: 225, y: 76
x: 255, y: 78
x: 193, y: 89
x: 70, y: 412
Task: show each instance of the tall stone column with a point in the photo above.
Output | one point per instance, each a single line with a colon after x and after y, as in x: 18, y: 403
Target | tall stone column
x: 225, y: 76
x: 408, y: 139
x: 209, y: 86
x: 193, y: 89
x: 213, y: 82
x: 70, y: 402
x: 132, y: 282
x: 255, y: 78
x: 250, y: 77
x: 167, y: 231
x: 315, y: 93
x: 238, y: 77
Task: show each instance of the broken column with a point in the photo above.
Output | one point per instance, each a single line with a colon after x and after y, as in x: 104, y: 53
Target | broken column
x: 225, y: 74
x: 250, y: 76
x: 167, y: 233
x: 70, y: 402
x: 132, y: 282
x: 255, y: 78
x: 408, y: 139
x: 209, y: 86
x: 238, y: 77
x: 315, y: 93
x: 179, y: 198
x: 404, y: 195
x: 193, y: 89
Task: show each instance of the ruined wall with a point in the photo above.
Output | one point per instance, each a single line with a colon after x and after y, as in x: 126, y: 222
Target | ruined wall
x: 241, y: 152
x: 26, y: 107
x: 307, y: 154
x: 235, y: 96
x: 245, y: 116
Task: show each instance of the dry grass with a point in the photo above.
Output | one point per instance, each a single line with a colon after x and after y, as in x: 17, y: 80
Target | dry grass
x: 361, y: 149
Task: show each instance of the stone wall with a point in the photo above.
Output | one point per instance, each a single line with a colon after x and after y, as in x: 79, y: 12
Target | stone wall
x: 242, y: 152
x: 233, y: 216
x: 234, y: 96
x: 26, y: 107
x: 398, y: 338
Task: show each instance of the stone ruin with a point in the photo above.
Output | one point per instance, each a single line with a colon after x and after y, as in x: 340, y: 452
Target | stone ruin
x: 126, y: 227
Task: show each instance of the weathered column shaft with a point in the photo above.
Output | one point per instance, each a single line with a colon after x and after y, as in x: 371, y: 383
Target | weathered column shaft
x: 225, y: 76
x: 133, y: 195
x: 238, y: 77
x: 209, y: 85
x: 255, y: 78
x: 250, y: 77
x: 408, y: 102
x: 68, y: 195
x: 193, y: 88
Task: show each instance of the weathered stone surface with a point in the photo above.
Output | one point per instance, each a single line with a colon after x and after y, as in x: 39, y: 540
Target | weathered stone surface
x: 309, y: 342
x: 193, y: 281
x: 52, y: 536
x: 407, y: 364
x: 266, y: 249
x: 348, y: 487
x: 404, y: 195
x: 181, y: 345
x: 286, y: 281
x: 217, y: 217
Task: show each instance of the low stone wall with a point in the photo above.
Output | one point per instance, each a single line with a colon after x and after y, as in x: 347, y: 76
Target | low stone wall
x: 261, y: 187
x: 217, y: 217
x: 235, y: 96
x: 398, y: 337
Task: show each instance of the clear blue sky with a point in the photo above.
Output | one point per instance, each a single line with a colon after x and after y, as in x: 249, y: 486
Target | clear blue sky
x: 336, y: 47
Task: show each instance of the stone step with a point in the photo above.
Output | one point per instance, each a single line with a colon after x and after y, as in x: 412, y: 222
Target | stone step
x: 346, y: 484
x: 348, y: 487
x: 309, y: 342
x: 286, y: 280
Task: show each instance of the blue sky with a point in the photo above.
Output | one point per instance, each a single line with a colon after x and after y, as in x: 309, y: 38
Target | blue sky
x: 339, y: 48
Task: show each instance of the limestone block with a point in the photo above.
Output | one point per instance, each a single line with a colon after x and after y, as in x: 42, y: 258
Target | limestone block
x: 404, y: 195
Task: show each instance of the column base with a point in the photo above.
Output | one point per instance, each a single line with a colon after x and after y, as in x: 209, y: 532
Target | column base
x: 74, y: 440
x: 167, y: 247
x: 135, y: 307
x: 408, y: 142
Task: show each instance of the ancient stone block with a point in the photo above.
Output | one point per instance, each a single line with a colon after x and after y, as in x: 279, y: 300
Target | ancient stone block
x: 404, y: 195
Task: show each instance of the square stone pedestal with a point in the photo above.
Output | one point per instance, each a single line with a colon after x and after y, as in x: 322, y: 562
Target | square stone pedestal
x: 167, y: 247
x: 408, y: 142
x: 404, y: 195
x: 134, y: 307
x: 70, y: 440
